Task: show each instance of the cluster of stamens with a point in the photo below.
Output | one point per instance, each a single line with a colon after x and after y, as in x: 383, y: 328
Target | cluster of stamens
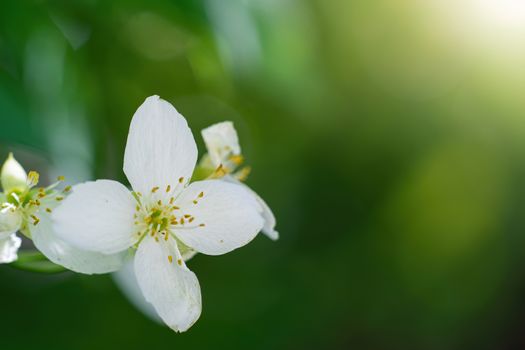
x: 160, y: 218
x: 33, y: 199
x: 231, y: 163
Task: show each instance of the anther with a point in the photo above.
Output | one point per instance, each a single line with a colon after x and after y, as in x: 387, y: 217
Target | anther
x: 201, y: 195
x: 61, y: 178
x: 168, y: 188
x: 35, y: 220
x: 59, y: 198
x: 48, y: 210
x: 220, y: 171
x: 154, y: 189
x: 182, y: 221
x: 191, y: 219
x: 67, y: 189
x: 170, y: 259
x: 187, y: 216
x: 242, y: 175
x: 172, y: 200
x: 181, y: 179
x: 195, y: 201
x: 237, y: 159
x: 179, y: 261
x: 159, y: 202
x: 32, y: 178
x: 202, y: 225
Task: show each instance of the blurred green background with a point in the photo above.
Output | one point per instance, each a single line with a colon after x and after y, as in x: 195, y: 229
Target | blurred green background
x: 388, y: 136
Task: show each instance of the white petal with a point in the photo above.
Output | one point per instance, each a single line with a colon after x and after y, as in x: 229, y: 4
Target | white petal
x: 127, y: 282
x: 97, y: 216
x: 8, y: 249
x: 221, y: 142
x: 171, y: 287
x: 269, y: 219
x: 10, y: 220
x: 267, y: 214
x: 160, y: 149
x: 62, y: 253
x: 229, y: 212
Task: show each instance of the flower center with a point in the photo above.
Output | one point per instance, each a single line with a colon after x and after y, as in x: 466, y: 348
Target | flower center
x: 160, y: 218
x: 33, y: 200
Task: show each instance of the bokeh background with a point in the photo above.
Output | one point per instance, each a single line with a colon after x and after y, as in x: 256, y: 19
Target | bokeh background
x: 388, y: 136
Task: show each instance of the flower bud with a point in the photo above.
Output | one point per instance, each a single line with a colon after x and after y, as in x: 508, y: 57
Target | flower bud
x: 13, y: 176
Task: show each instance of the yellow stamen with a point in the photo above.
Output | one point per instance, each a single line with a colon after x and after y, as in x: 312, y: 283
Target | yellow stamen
x: 242, y: 175
x: 33, y: 178
x: 237, y: 159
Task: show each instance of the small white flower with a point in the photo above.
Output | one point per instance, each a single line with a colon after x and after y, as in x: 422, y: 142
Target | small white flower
x: 26, y: 208
x: 225, y: 155
x: 163, y: 216
x: 222, y: 144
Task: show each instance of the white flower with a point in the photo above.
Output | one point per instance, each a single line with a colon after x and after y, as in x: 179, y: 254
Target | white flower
x: 225, y: 155
x: 163, y: 216
x: 222, y: 144
x: 26, y: 208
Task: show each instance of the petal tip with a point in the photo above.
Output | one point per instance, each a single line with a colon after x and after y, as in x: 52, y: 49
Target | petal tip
x: 273, y: 235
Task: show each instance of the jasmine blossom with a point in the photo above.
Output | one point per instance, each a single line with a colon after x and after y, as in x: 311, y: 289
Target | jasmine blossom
x: 165, y: 217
